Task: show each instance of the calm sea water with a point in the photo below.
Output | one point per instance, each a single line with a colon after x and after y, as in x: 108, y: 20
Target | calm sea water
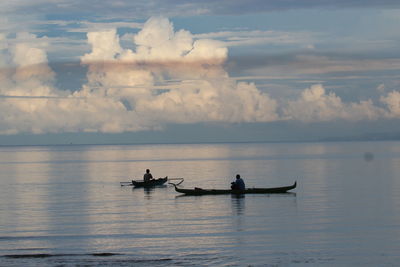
x: 64, y: 206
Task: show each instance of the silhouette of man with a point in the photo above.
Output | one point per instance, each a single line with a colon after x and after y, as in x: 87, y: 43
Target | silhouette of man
x: 147, y: 176
x: 238, y: 184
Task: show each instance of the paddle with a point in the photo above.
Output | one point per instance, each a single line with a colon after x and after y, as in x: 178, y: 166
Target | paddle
x: 126, y: 183
x: 175, y: 179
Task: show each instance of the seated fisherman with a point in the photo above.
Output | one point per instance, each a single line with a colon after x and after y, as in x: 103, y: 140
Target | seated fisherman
x: 147, y: 176
x: 238, y: 184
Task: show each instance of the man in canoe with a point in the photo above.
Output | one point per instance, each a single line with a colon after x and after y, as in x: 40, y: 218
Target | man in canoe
x: 238, y: 184
x: 147, y: 176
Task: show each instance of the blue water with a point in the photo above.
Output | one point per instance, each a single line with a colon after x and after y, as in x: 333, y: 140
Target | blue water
x: 64, y: 206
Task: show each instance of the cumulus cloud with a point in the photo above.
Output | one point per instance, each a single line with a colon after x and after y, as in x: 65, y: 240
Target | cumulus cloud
x: 30, y: 77
x: 392, y: 101
x: 204, y: 91
x: 315, y: 104
x: 129, y: 90
x: 164, y: 76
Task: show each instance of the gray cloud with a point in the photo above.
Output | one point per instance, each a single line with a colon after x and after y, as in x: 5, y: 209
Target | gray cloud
x: 144, y: 8
x: 312, y: 64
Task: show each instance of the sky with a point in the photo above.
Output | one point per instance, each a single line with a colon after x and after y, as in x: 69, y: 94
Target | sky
x: 149, y: 71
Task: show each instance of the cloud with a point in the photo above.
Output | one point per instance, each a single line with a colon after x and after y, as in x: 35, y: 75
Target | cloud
x: 312, y: 64
x: 128, y: 90
x: 204, y: 93
x: 315, y: 105
x: 256, y: 37
x: 381, y: 88
x: 164, y: 76
x: 392, y: 101
x: 144, y: 8
x: 31, y: 75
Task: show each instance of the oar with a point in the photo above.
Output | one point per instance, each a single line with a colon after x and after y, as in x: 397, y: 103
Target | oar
x: 126, y: 183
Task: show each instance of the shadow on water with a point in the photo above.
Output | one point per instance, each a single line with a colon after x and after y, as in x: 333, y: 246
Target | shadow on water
x: 238, y: 196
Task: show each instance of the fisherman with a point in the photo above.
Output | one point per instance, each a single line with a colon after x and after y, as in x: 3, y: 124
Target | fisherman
x: 238, y: 184
x: 147, y: 176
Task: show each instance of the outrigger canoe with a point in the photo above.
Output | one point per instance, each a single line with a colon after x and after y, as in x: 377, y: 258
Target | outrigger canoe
x: 199, y: 191
x: 151, y: 183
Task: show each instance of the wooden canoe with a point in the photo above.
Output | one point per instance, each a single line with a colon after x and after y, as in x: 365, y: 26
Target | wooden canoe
x: 199, y: 191
x: 151, y: 183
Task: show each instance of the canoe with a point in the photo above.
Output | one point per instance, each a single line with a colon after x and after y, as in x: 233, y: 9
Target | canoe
x: 151, y: 183
x: 199, y: 191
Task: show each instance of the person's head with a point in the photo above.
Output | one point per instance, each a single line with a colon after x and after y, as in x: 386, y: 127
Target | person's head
x: 237, y: 176
x: 147, y: 171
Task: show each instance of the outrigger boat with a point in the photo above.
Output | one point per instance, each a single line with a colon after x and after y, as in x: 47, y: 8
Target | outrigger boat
x: 200, y: 191
x: 151, y: 183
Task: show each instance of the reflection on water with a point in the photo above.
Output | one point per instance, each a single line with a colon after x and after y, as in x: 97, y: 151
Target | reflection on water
x: 238, y: 203
x: 148, y: 191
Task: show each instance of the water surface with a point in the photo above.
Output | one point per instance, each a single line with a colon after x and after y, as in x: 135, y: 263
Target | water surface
x: 63, y: 205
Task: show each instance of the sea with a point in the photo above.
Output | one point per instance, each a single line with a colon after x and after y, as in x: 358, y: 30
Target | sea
x: 64, y: 205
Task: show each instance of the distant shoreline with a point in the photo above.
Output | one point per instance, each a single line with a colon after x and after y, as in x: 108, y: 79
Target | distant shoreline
x: 328, y: 140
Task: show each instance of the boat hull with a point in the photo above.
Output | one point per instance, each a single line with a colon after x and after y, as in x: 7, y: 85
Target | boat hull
x: 151, y: 183
x: 199, y: 191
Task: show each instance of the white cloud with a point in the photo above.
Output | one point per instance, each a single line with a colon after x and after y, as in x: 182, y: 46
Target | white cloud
x: 105, y: 46
x: 31, y: 75
x: 205, y: 92
x: 392, y: 101
x: 157, y: 41
x: 121, y: 93
x: 315, y: 105
x: 169, y: 77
